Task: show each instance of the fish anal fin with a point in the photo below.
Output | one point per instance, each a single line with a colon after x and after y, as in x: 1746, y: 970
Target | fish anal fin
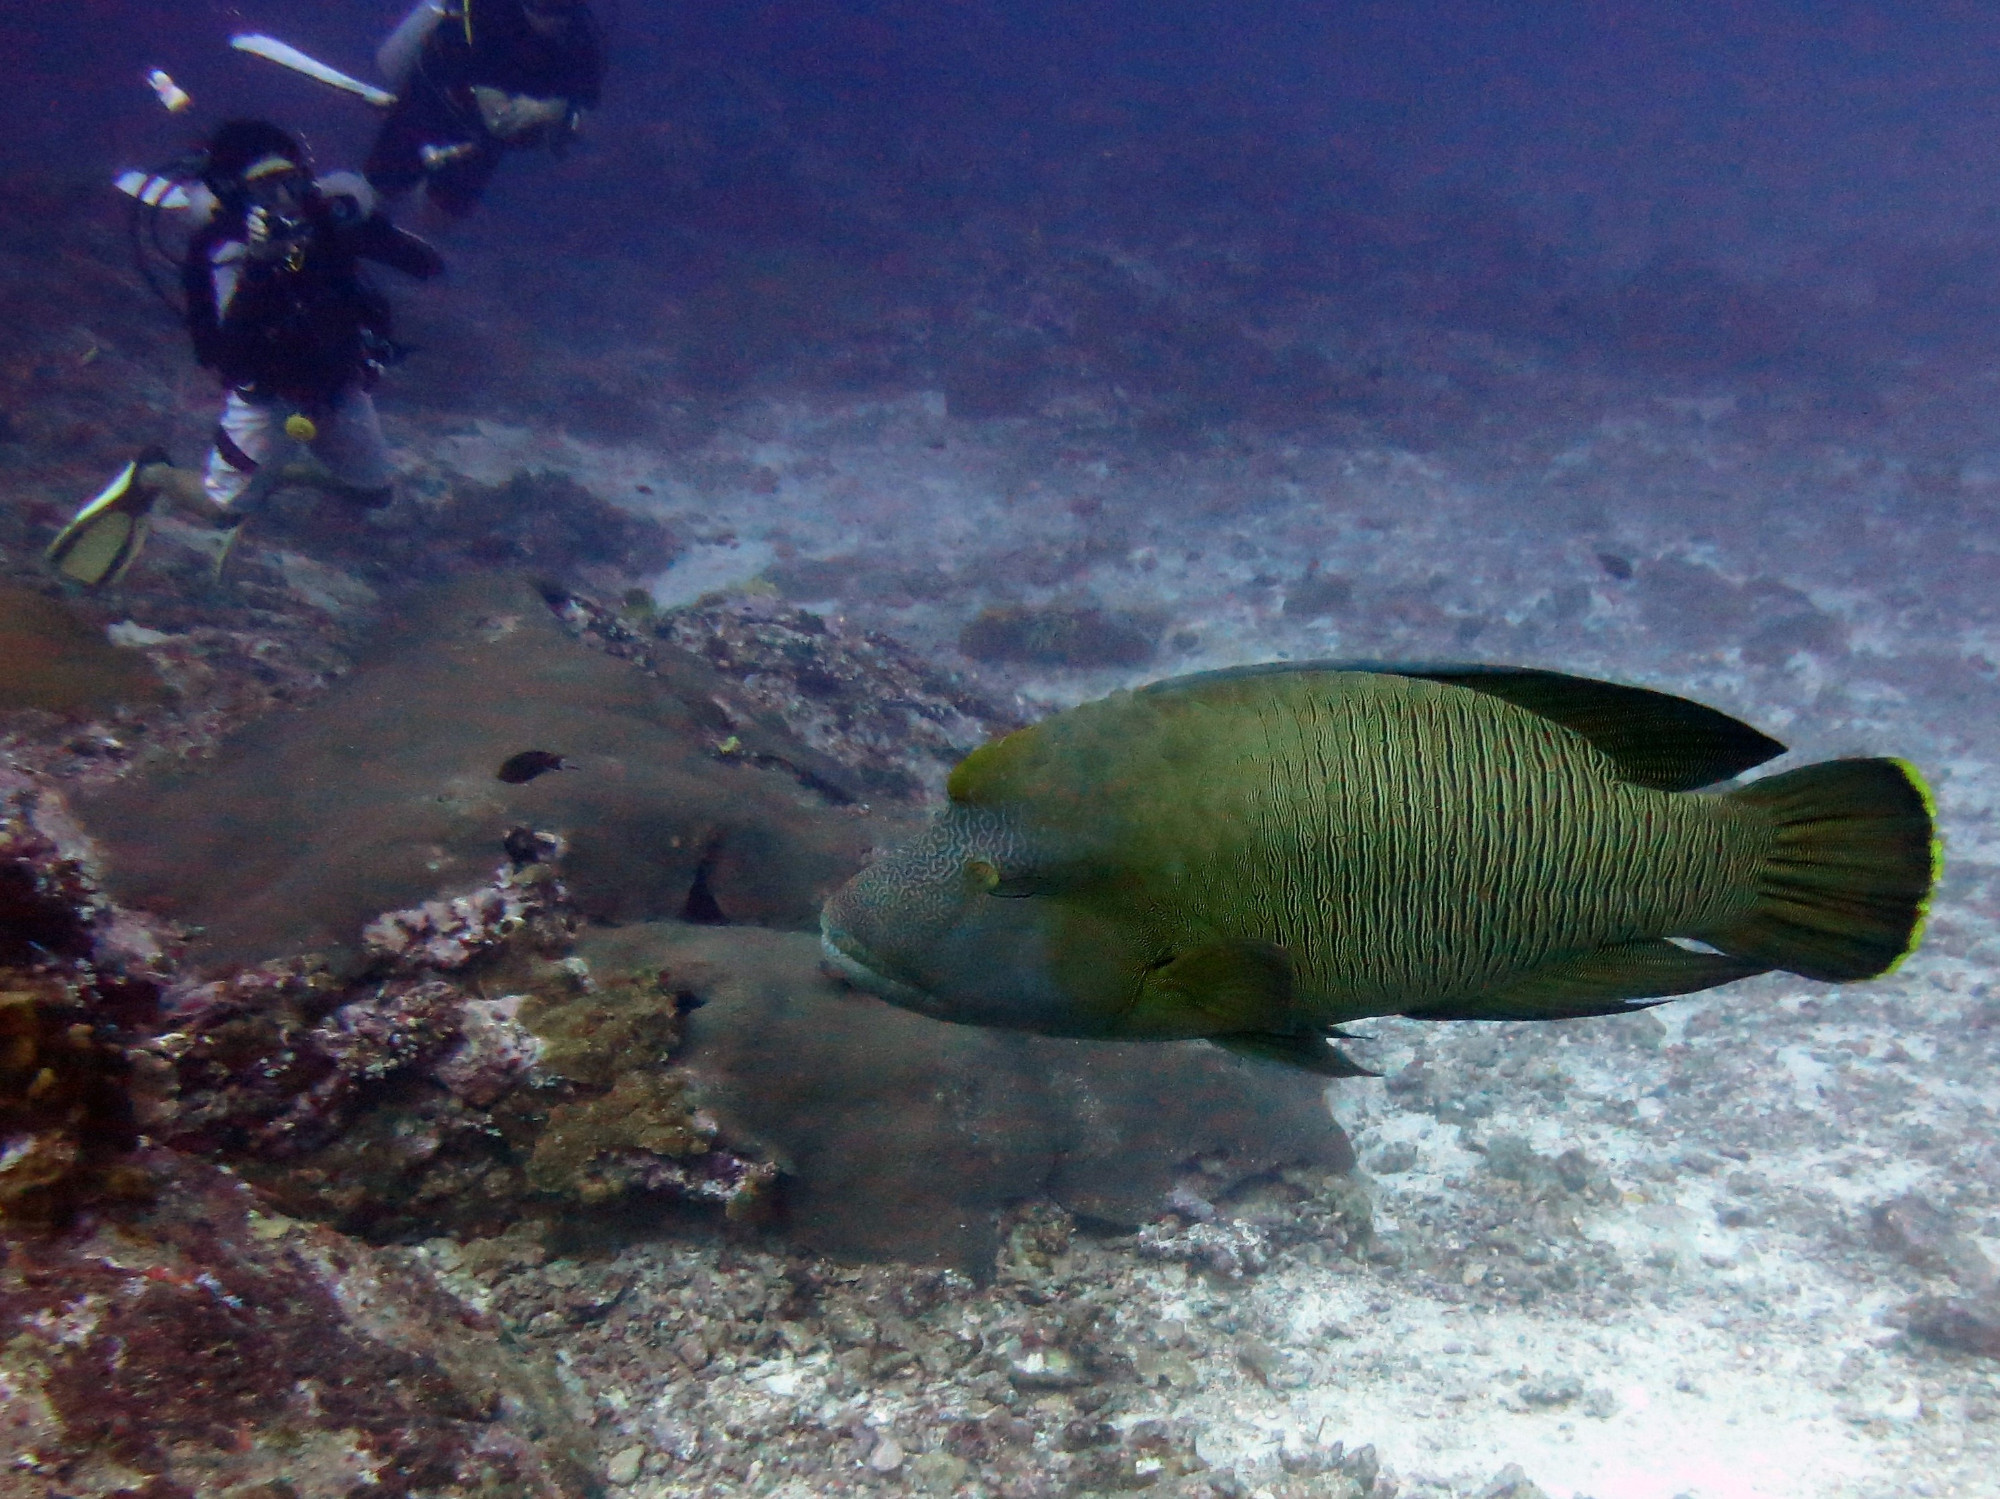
x: 1234, y: 985
x: 1309, y: 1053
x: 1610, y: 980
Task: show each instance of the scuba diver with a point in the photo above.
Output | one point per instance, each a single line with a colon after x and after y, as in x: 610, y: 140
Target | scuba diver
x: 474, y: 80
x: 276, y: 306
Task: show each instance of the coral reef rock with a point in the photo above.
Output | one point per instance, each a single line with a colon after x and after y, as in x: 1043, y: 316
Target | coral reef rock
x: 544, y: 520
x: 1060, y: 636
x: 161, y: 1332
x: 78, y: 988
x: 892, y: 721
x: 904, y: 1138
x: 383, y: 792
x: 203, y: 1345
x: 667, y: 1069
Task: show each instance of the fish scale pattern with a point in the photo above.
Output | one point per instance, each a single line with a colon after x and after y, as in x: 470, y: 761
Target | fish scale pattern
x: 1411, y: 844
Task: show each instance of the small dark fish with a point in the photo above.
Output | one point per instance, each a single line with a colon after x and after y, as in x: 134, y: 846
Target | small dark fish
x: 525, y: 846
x: 525, y: 766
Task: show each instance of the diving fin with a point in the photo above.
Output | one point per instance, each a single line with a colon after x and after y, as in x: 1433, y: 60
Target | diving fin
x: 229, y: 530
x: 105, y: 537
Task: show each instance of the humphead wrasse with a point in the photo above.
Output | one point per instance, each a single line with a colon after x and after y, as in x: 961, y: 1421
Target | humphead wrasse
x: 1257, y: 856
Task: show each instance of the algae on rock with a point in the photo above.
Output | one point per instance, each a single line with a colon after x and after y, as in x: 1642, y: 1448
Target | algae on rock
x: 592, y: 1033
x: 598, y: 1148
x: 203, y: 1344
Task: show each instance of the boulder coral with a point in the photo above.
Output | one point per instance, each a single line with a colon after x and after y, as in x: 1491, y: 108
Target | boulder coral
x: 383, y: 792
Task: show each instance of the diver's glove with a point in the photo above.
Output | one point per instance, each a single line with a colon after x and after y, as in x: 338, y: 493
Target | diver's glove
x: 271, y: 238
x: 510, y: 116
x: 257, y: 237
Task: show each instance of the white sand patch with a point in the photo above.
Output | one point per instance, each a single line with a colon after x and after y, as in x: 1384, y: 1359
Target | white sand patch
x: 702, y: 570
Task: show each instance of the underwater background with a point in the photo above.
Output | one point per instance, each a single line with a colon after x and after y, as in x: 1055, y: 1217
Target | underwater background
x: 867, y: 381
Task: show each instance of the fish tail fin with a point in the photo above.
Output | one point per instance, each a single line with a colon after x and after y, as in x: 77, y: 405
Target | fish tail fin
x: 1847, y: 884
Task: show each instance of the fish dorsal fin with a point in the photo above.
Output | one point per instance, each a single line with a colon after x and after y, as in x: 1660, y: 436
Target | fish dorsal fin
x: 1654, y: 738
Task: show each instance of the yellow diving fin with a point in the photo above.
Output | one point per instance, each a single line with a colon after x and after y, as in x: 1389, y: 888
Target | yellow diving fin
x: 105, y: 537
x: 230, y: 529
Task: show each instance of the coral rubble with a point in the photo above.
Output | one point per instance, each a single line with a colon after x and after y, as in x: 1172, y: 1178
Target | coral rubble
x: 1060, y: 636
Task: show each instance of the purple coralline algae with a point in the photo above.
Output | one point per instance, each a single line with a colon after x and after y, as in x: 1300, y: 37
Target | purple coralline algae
x: 524, y: 898
x: 494, y: 1053
x: 203, y: 1344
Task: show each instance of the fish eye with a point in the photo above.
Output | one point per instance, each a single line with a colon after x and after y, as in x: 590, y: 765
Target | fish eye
x: 982, y: 875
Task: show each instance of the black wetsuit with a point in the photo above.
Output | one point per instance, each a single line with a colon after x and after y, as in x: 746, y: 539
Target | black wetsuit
x: 494, y: 48
x: 300, y: 325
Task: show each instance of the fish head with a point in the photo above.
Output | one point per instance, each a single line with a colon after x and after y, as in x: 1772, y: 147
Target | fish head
x: 933, y: 927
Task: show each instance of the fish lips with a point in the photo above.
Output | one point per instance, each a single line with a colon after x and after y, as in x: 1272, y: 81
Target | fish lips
x: 835, y: 945
x: 992, y: 969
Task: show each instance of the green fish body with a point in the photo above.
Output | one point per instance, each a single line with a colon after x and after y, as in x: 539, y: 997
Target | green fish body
x: 1258, y: 856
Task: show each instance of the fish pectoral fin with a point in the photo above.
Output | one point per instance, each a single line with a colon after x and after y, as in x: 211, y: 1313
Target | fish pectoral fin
x: 1310, y: 1053
x: 1607, y: 981
x: 1236, y: 985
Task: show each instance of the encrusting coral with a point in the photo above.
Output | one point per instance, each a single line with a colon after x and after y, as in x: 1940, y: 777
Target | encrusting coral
x: 522, y: 901
x: 469, y: 1074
